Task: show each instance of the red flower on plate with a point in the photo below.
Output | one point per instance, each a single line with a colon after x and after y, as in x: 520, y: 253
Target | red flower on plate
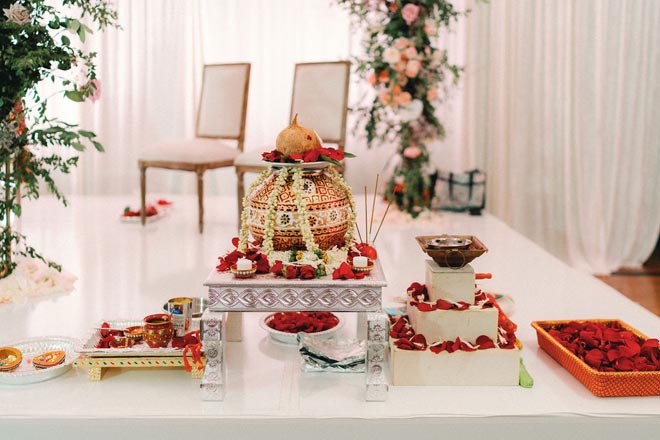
x: 307, y: 272
x: 277, y: 268
x: 343, y: 272
x: 272, y: 156
x: 291, y: 272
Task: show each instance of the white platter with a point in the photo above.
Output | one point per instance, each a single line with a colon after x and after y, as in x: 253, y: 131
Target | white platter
x: 291, y: 338
x: 139, y: 350
x: 26, y: 373
x: 319, y: 165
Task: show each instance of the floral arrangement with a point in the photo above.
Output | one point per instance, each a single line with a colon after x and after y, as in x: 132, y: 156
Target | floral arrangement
x: 409, y: 74
x: 36, y: 44
x: 607, y: 347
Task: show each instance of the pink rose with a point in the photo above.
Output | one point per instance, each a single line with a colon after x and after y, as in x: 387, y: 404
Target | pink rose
x: 412, y: 152
x: 95, y: 87
x: 410, y: 53
x: 400, y: 66
x: 430, y: 29
x: 432, y: 94
x: 405, y: 98
x: 412, y: 68
x: 401, y: 43
x: 371, y: 78
x: 410, y: 12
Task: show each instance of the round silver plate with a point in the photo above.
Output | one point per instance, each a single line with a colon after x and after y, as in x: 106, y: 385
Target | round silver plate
x: 448, y: 243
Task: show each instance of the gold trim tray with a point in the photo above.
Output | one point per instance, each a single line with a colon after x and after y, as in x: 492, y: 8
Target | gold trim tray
x: 139, y: 350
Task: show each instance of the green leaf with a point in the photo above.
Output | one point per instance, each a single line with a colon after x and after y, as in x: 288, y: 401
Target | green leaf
x: 81, y: 34
x: 87, y: 134
x: 16, y: 209
x: 74, y: 95
x: 78, y: 146
x: 73, y: 25
x: 346, y: 154
x: 98, y: 146
x: 65, y: 40
x: 332, y: 161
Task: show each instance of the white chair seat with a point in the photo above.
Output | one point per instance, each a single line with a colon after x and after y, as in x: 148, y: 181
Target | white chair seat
x: 250, y: 158
x: 197, y: 150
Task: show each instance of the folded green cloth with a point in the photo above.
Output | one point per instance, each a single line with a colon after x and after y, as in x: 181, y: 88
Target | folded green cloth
x: 525, y: 380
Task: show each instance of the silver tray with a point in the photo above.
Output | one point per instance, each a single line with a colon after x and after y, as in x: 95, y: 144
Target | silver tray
x: 26, y: 373
x: 139, y: 350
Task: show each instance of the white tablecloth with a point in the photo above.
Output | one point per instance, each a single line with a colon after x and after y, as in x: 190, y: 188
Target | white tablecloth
x: 126, y: 271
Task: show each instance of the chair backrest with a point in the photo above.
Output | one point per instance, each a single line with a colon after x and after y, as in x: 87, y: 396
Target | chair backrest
x: 223, y: 104
x: 320, y: 97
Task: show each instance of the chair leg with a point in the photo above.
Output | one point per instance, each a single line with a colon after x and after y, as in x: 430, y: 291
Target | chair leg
x: 200, y: 196
x: 143, y: 194
x: 240, y: 193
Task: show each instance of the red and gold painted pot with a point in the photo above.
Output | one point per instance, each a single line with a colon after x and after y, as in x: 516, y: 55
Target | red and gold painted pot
x: 328, y: 211
x: 158, y: 330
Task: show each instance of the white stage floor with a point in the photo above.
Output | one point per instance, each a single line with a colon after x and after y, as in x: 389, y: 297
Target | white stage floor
x: 127, y: 271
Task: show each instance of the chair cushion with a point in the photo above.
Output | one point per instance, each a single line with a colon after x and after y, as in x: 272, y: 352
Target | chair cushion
x: 197, y: 151
x: 250, y: 158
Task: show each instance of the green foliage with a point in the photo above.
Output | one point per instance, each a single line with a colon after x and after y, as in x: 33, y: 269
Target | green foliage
x: 410, y: 75
x: 37, y: 48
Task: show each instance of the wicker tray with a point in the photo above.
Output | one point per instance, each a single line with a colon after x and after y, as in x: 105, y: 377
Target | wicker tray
x: 456, y: 258
x: 602, y: 384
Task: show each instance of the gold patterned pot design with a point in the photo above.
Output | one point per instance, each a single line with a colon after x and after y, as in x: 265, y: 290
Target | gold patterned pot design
x: 328, y: 211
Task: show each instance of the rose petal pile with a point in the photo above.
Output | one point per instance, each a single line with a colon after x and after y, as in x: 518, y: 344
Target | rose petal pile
x: 334, y: 155
x: 344, y: 272
x: 607, y: 347
x: 307, y: 322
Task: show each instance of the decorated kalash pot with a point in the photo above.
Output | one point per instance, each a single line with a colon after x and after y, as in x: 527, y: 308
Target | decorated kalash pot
x: 302, y: 201
x: 158, y: 330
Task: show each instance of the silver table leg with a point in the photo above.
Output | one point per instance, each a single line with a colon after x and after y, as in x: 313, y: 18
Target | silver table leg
x: 377, y: 340
x: 212, y: 331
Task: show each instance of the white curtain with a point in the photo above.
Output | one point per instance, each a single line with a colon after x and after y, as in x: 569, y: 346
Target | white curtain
x: 558, y: 103
x: 561, y: 100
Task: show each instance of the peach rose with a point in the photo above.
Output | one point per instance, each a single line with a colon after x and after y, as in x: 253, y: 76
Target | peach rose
x: 412, y: 152
x: 391, y: 55
x: 385, y: 98
x: 410, y: 12
x: 384, y: 76
x: 404, y: 98
x: 401, y: 66
x: 410, y: 53
x: 412, y: 68
x: 432, y: 94
x: 371, y: 78
x: 17, y: 13
x: 430, y: 29
x: 401, y: 43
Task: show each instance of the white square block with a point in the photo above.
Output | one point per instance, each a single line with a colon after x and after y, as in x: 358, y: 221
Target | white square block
x: 451, y: 284
x: 447, y: 325
x: 482, y: 367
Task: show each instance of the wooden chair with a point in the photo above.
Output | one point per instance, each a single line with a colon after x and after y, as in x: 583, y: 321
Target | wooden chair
x: 221, y: 115
x: 320, y: 97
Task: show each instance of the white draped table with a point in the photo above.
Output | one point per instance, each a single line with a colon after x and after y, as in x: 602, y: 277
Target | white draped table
x: 126, y: 271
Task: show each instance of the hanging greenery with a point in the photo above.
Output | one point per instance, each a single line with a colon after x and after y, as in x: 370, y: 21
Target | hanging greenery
x: 41, y: 42
x: 410, y: 76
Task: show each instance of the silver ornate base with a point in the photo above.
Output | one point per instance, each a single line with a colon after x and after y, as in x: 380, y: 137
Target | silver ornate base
x: 269, y: 293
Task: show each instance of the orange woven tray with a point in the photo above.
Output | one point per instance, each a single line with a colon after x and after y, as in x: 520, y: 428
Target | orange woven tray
x: 602, y: 384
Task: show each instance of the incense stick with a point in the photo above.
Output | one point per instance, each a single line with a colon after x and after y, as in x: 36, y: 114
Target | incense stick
x: 358, y: 231
x: 366, y: 215
x: 373, y: 207
x: 381, y: 220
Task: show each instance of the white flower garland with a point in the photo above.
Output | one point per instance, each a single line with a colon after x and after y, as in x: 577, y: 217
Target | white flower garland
x: 339, y: 180
x: 301, y: 207
x: 244, y: 231
x: 272, y: 209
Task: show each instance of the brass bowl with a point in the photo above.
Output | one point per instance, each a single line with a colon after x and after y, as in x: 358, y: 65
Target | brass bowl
x: 10, y: 358
x: 454, y: 257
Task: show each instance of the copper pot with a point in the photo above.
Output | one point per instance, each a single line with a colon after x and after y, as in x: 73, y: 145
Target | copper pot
x: 158, y: 330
